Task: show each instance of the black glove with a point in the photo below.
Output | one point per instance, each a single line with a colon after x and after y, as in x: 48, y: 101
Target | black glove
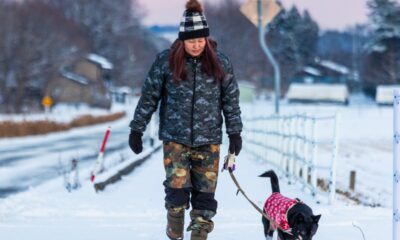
x: 135, y: 142
x: 235, y: 143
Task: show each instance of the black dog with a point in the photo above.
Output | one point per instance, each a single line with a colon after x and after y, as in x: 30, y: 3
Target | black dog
x: 293, y: 219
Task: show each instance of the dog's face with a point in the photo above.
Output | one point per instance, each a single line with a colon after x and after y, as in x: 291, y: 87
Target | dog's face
x: 304, y: 227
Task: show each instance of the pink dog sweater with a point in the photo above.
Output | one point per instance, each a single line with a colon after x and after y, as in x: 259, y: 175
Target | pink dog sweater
x: 276, y: 207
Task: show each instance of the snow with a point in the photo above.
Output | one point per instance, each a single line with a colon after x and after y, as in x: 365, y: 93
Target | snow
x: 318, y: 92
x: 61, y: 113
x: 75, y: 77
x: 104, y: 63
x: 312, y: 71
x: 334, y: 66
x: 134, y: 207
x: 384, y: 93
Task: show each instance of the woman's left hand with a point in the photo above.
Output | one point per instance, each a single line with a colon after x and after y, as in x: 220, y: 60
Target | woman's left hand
x: 235, y: 143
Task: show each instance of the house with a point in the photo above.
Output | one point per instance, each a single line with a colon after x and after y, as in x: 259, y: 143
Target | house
x: 323, y: 71
x: 318, y: 92
x: 308, y: 75
x: 121, y: 94
x: 385, y: 94
x: 86, y: 81
x: 322, y: 81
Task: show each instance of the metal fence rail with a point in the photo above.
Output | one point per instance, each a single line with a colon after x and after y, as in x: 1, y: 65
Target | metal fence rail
x: 290, y: 143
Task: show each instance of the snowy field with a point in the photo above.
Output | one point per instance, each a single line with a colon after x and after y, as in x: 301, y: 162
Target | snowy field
x: 134, y: 207
x: 62, y: 113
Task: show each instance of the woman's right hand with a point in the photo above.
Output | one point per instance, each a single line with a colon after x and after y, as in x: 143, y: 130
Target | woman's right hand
x: 135, y: 142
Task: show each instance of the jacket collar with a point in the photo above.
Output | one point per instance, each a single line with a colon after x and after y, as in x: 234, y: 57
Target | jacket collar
x: 192, y: 59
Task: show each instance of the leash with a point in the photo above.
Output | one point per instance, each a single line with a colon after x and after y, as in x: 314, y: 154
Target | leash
x: 244, y: 194
x: 229, y: 164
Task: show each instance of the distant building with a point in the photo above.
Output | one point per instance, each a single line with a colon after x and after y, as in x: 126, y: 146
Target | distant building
x: 121, y: 94
x: 322, y: 81
x: 323, y: 71
x: 384, y: 94
x: 86, y: 81
x: 318, y: 92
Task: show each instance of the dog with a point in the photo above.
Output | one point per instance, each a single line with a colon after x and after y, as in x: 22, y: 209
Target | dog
x: 293, y: 219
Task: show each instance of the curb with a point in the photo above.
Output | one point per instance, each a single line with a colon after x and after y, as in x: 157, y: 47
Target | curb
x: 100, y: 186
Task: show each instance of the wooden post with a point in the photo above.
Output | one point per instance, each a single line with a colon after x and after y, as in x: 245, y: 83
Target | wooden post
x: 352, y: 185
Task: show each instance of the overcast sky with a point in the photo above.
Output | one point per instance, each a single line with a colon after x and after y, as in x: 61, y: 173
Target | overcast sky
x: 330, y: 14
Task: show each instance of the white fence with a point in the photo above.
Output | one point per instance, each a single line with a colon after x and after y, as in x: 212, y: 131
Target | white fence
x: 291, y: 145
x: 396, y: 164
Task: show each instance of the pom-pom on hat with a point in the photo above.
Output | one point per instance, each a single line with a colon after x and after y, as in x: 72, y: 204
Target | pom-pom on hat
x: 193, y: 23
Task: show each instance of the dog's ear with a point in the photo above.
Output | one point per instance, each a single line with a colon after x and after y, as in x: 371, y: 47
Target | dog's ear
x: 266, y: 174
x: 316, y: 218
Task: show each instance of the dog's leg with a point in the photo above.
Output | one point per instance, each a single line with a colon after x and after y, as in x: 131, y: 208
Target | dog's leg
x: 268, y: 233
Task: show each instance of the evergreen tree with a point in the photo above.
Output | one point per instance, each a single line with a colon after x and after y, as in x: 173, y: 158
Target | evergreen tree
x: 291, y: 37
x: 295, y: 40
x: 382, y: 62
x: 307, y: 34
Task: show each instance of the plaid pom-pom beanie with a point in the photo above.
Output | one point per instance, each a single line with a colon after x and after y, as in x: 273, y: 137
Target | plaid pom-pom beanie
x: 193, y: 23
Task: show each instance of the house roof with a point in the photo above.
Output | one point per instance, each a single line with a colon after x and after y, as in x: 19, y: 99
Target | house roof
x: 102, y: 61
x: 312, y: 71
x: 334, y: 66
x: 74, y: 77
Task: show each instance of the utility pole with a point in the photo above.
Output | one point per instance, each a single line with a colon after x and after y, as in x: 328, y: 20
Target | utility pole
x: 260, y: 13
x: 264, y: 46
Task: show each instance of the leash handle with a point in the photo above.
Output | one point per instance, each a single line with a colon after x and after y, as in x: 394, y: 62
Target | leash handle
x: 229, y: 163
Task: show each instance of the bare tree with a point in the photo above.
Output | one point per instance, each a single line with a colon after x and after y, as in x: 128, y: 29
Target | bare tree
x: 33, y: 49
x: 116, y: 33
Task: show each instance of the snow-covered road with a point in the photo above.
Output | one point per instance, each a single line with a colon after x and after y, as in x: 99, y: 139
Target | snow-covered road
x: 29, y: 163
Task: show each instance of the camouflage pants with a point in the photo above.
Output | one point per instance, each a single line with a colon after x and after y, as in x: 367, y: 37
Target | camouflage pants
x: 191, y: 175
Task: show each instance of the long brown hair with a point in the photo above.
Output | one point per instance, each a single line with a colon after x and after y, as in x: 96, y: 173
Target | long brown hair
x: 210, y: 63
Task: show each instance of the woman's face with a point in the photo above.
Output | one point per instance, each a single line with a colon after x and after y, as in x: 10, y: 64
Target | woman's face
x: 195, y: 46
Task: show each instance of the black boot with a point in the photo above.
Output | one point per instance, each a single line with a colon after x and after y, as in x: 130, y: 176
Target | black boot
x: 200, y: 234
x: 200, y: 226
x: 176, y: 222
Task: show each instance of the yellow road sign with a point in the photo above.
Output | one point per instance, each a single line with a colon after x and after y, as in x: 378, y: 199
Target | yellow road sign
x: 270, y: 10
x: 47, y: 101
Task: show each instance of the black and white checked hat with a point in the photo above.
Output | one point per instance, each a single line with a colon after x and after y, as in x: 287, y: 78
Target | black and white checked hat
x: 193, y: 25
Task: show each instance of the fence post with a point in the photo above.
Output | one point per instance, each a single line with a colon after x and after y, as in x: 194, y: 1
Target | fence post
x: 306, y: 145
x: 396, y: 165
x: 281, y: 130
x: 313, y: 169
x: 286, y: 146
x: 332, y: 183
x: 296, y: 142
x: 292, y: 142
x: 352, y: 184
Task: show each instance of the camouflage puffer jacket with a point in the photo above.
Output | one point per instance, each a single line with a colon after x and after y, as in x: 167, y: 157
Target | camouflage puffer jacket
x: 191, y: 111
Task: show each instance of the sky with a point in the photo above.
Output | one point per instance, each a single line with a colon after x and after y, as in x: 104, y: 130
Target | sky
x: 330, y: 14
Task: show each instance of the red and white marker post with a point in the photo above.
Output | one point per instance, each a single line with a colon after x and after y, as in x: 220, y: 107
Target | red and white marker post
x: 99, y: 167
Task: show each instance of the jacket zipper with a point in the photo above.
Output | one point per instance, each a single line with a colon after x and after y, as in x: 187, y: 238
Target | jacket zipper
x: 193, y: 99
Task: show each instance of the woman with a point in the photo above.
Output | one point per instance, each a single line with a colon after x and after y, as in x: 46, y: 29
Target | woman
x: 195, y: 83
